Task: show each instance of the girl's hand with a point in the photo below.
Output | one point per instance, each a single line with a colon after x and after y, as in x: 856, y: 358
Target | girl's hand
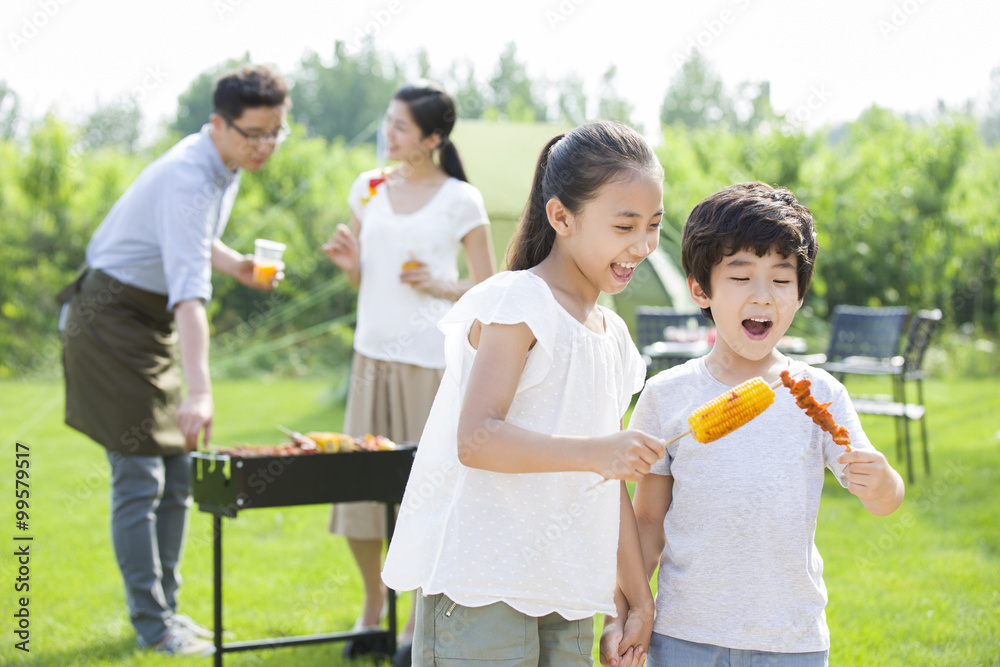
x: 638, y: 630
x: 627, y: 455
x: 634, y: 656
x: 343, y: 250
x: 611, y: 638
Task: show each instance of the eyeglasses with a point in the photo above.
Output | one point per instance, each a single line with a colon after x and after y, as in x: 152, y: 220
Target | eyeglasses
x: 256, y: 138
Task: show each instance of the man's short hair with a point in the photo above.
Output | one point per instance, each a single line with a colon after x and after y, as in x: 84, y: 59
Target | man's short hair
x: 248, y: 87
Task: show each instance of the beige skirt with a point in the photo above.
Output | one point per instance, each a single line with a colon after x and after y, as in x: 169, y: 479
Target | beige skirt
x: 385, y: 398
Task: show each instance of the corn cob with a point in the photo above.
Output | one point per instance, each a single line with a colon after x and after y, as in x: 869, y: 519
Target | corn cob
x: 726, y: 413
x: 733, y: 409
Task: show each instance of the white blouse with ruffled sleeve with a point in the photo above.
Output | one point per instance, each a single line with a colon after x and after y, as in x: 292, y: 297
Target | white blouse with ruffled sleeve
x: 540, y: 542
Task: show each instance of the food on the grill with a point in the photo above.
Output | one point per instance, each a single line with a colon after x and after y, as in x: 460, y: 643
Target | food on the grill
x: 728, y: 412
x: 312, y: 443
x: 327, y: 441
x: 818, y: 411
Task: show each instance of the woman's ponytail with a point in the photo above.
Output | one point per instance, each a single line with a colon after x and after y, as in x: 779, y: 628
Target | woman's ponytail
x: 450, y: 162
x: 534, y: 236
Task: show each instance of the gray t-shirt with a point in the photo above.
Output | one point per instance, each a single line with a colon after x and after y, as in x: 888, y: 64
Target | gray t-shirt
x: 740, y: 568
x: 158, y: 236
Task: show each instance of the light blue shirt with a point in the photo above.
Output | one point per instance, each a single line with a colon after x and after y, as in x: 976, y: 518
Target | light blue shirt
x: 158, y: 236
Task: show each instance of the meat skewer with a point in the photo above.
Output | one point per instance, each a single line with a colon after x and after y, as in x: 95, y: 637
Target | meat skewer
x: 818, y: 411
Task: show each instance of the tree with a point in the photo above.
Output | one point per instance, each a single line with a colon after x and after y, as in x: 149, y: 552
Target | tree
x: 610, y: 106
x: 114, y: 125
x: 346, y: 98
x: 991, y: 123
x: 697, y: 98
x: 572, y: 101
x: 753, y: 105
x: 469, y: 96
x: 423, y: 64
x: 9, y: 108
x: 512, y: 90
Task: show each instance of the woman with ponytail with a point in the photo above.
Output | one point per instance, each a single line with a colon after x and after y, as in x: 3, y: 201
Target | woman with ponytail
x: 408, y: 225
x: 504, y: 527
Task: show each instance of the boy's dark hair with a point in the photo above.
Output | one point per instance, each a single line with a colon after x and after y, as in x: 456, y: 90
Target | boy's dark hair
x: 249, y: 87
x: 572, y: 168
x: 433, y: 111
x: 748, y: 216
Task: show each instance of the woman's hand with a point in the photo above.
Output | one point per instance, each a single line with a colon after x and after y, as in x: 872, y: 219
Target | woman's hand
x: 344, y: 250
x: 417, y: 275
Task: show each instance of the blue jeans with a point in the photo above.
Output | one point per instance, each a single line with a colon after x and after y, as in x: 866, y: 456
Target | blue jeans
x: 666, y: 651
x: 150, y: 497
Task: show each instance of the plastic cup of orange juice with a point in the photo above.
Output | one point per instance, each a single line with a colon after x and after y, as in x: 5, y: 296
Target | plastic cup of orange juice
x: 266, y: 257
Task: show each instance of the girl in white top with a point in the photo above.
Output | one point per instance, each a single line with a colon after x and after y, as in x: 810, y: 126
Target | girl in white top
x: 408, y: 225
x: 501, y: 527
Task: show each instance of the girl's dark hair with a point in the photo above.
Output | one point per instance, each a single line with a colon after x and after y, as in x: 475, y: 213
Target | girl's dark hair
x: 433, y: 110
x: 748, y: 216
x: 572, y: 168
x: 249, y: 87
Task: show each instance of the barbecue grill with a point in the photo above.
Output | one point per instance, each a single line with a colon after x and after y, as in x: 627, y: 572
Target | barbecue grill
x: 226, y: 484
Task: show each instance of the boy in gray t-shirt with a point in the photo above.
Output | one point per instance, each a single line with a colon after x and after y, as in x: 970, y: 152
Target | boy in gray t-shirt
x: 731, y: 522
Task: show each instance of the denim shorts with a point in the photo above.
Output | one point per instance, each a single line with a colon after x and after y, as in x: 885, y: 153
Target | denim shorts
x: 666, y: 651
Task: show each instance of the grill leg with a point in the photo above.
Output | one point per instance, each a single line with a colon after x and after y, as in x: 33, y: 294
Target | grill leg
x: 217, y: 585
x: 390, y: 526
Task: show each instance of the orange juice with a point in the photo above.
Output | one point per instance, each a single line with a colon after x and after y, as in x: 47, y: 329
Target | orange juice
x: 264, y: 273
x: 412, y: 264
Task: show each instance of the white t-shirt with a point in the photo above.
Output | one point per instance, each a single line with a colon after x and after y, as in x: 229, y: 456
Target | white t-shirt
x: 395, y: 321
x: 540, y: 542
x: 740, y: 568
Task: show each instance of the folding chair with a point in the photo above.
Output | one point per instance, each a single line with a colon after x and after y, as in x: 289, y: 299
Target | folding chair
x: 863, y: 339
x: 651, y: 324
x: 904, y: 369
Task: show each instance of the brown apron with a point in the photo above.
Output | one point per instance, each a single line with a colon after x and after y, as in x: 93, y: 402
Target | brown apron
x: 123, y: 384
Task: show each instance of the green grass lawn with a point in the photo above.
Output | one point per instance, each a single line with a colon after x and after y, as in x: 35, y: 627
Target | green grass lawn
x: 921, y: 587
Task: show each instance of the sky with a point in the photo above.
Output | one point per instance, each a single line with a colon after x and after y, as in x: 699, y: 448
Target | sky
x: 825, y: 61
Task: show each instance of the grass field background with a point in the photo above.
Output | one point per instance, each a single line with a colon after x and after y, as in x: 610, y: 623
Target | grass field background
x: 921, y: 587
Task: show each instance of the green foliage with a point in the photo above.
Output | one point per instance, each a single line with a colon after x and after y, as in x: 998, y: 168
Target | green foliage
x: 114, y: 125
x: 611, y: 106
x: 513, y: 92
x: 53, y: 197
x: 9, y: 106
x: 696, y: 98
x: 907, y: 209
x: 882, y: 223
x: 346, y: 98
x: 907, y: 213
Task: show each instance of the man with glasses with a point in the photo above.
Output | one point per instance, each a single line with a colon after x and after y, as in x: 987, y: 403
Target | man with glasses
x: 141, y: 297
